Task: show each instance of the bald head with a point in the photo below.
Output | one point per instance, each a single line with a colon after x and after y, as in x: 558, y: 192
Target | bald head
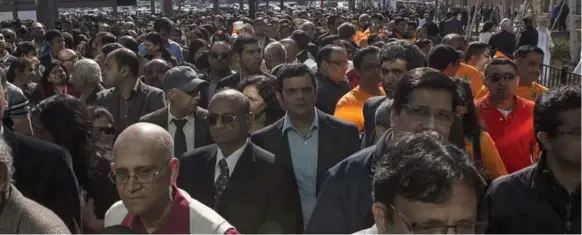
x: 65, y: 54
x: 275, y: 54
x: 291, y: 48
x: 456, y: 41
x: 144, y: 139
x: 234, y: 97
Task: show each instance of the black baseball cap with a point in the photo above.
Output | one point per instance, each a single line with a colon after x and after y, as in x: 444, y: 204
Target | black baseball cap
x: 441, y: 56
x: 182, y: 78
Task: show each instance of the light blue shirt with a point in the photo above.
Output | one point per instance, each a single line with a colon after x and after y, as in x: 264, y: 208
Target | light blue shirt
x: 174, y: 48
x: 304, y: 157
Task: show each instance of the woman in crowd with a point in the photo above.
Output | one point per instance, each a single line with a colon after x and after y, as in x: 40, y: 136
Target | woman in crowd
x: 55, y: 80
x: 155, y: 49
x: 65, y: 121
x: 198, y: 55
x: 262, y: 93
x: 478, y: 143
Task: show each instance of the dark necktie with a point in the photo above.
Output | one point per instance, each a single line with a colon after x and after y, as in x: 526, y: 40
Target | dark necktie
x: 221, y: 181
x: 180, y: 146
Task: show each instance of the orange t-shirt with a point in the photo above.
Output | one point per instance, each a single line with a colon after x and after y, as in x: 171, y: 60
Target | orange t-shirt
x: 359, y: 36
x: 471, y: 74
x: 513, y: 135
x: 489, y: 156
x: 531, y: 92
x: 349, y: 107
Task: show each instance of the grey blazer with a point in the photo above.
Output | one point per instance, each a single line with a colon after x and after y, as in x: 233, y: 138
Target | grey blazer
x: 20, y: 215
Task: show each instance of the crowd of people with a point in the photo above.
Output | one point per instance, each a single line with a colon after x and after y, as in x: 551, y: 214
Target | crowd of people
x: 304, y: 121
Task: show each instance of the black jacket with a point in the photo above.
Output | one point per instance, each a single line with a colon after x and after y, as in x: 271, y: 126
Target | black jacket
x: 329, y: 92
x: 232, y: 81
x: 532, y: 201
x: 503, y: 41
x: 529, y: 36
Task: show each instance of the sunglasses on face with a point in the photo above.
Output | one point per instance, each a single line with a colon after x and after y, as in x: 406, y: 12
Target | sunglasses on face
x: 497, y: 77
x: 218, y: 55
x: 226, y: 119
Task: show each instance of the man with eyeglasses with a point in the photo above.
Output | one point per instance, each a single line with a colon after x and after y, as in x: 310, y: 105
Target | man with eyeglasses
x: 425, y: 99
x: 68, y: 58
x: 507, y: 117
x: 425, y: 185
x: 182, y: 118
x: 545, y: 197
x: 349, y: 107
x: 144, y: 170
x: 332, y: 64
x: 237, y: 178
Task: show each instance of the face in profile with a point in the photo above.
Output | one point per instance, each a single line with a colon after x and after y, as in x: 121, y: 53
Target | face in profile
x: 257, y: 102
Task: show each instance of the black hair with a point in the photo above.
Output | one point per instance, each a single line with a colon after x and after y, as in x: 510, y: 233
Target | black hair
x: 423, y: 167
x: 328, y: 40
x: 470, y: 121
x: 194, y: 46
x: 360, y: 54
x: 331, y: 20
x: 293, y: 70
x: 18, y: 64
x: 423, y: 78
x: 106, y: 37
x: 69, y: 41
x: 325, y: 53
x: 51, y: 34
x: 301, y: 38
x: 240, y: 42
x: 442, y: 60
x: 346, y: 30
x: 398, y: 20
x: 475, y: 48
x: 377, y: 16
x: 129, y: 42
x: 267, y: 90
x: 403, y: 50
x: 126, y: 57
x: 487, y: 26
x: 549, y: 105
x: 523, y: 51
x: 374, y: 38
x: 163, y: 24
x: 24, y: 47
x: 156, y: 39
x: 499, y: 61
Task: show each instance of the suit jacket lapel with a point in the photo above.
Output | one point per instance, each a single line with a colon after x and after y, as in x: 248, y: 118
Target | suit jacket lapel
x: 162, y: 118
x: 138, y: 102
x: 207, y: 178
x: 201, y: 134
x: 282, y: 142
x: 325, y: 153
x: 238, y: 181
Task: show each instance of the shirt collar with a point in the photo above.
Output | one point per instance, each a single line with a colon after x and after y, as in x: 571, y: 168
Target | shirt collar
x: 232, y: 159
x: 288, y: 124
x: 188, y: 118
x: 487, y: 103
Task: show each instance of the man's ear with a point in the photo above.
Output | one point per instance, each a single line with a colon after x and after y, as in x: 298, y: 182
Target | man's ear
x: 544, y: 140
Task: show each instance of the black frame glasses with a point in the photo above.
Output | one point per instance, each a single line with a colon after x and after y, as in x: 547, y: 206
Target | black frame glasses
x: 462, y: 228
x: 142, y: 178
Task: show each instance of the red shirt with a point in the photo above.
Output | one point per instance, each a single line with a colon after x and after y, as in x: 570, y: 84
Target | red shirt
x: 514, y: 135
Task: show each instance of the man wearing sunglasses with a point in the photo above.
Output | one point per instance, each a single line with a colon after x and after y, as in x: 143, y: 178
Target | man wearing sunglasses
x: 182, y: 118
x: 144, y: 170
x: 507, y: 117
x: 237, y: 178
x: 219, y: 60
x: 423, y: 184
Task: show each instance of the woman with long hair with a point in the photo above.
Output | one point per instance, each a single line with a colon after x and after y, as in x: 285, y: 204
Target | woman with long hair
x: 66, y: 121
x: 54, y: 80
x: 261, y: 92
x: 478, y: 143
x: 155, y: 49
x: 198, y: 54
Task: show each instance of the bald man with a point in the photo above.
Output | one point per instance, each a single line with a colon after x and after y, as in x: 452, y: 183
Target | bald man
x: 237, y: 178
x: 291, y: 48
x: 275, y: 54
x: 145, y: 171
x: 68, y: 57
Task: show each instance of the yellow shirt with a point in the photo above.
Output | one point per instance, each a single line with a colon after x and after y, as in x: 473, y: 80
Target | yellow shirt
x: 471, y: 74
x: 531, y: 92
x: 349, y: 107
x: 492, y: 163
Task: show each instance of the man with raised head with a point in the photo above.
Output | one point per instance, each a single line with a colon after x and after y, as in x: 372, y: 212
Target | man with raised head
x: 129, y: 98
x: 19, y: 214
x: 144, y: 170
x: 68, y: 58
x: 87, y: 80
x: 423, y: 184
x: 425, y: 99
x: 237, y: 178
x: 306, y: 140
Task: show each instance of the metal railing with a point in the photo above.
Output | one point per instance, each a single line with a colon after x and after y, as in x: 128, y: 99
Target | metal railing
x: 553, y: 76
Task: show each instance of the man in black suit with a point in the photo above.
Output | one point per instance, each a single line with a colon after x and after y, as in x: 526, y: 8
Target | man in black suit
x: 247, y: 52
x: 44, y: 172
x: 183, y: 119
x: 306, y: 141
x: 54, y: 38
x: 237, y: 178
x: 396, y: 59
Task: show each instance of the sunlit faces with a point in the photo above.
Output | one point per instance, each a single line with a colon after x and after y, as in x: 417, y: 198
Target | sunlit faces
x: 529, y: 67
x: 501, y: 81
x: 298, y: 95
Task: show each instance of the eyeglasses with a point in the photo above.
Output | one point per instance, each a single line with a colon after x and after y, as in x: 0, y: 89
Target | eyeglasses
x: 420, y: 111
x: 218, y: 55
x: 142, y: 177
x: 462, y: 228
x: 226, y: 119
x: 497, y: 77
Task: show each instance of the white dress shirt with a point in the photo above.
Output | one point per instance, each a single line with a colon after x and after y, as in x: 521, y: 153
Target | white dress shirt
x: 231, y: 160
x: 188, y: 129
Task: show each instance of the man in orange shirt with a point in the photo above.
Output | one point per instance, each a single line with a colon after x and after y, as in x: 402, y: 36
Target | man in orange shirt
x: 466, y: 71
x: 478, y: 55
x: 349, y: 107
x: 445, y: 58
x: 507, y: 117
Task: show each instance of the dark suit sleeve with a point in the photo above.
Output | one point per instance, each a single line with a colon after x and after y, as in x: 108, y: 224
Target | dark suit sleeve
x: 284, y: 206
x: 328, y: 216
x: 65, y: 202
x: 352, y: 137
x: 368, y: 124
x: 157, y: 100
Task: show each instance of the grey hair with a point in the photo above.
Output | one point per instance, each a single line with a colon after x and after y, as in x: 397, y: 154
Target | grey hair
x: 6, y: 157
x: 382, y: 115
x: 90, y: 68
x: 275, y: 54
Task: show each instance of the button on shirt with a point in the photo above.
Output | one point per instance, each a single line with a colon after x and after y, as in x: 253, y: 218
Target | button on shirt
x: 304, y: 157
x: 188, y: 129
x: 231, y: 160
